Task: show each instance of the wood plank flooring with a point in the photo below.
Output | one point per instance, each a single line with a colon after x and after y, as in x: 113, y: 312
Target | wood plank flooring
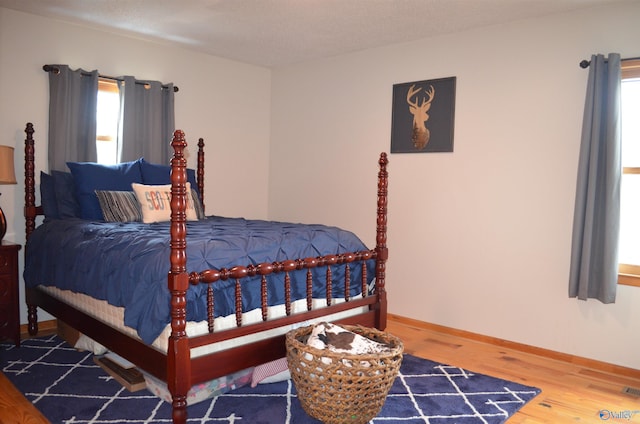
x: 574, y: 390
x: 15, y: 408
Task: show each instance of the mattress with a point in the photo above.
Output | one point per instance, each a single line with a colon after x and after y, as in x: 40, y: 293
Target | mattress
x: 114, y: 317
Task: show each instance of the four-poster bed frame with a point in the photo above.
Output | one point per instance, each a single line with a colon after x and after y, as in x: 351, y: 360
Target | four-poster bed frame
x: 176, y: 366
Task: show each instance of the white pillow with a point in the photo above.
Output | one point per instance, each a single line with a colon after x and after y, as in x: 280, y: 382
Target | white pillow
x: 155, y: 202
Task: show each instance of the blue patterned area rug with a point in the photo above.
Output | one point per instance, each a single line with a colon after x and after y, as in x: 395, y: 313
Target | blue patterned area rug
x: 68, y: 387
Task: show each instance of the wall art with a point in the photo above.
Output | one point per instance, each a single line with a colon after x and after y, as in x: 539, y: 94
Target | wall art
x: 423, y: 116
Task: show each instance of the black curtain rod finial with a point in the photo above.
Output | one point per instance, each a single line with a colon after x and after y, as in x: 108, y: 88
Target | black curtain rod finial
x: 49, y: 68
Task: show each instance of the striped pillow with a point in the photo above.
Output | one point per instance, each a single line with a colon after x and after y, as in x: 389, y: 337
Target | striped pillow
x: 119, y: 206
x: 197, y: 204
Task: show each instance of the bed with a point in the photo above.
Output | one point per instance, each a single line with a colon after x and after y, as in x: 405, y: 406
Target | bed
x: 189, y: 299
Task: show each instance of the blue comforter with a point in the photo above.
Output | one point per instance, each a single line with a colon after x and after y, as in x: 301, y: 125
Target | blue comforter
x: 126, y: 264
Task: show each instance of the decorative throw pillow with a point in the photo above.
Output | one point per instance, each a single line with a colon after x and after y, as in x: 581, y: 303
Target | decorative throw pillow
x: 89, y: 177
x: 119, y: 206
x: 154, y: 174
x: 197, y: 204
x: 48, y: 197
x: 155, y: 202
x: 65, y: 193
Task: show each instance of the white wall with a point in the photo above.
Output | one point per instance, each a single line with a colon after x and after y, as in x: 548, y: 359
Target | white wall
x: 225, y: 102
x: 486, y: 229
x: 479, y: 238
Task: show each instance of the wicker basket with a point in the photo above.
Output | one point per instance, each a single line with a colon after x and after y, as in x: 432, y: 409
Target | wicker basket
x: 350, y: 388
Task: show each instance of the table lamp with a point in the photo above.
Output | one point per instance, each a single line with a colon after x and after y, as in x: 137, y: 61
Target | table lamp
x: 7, y: 176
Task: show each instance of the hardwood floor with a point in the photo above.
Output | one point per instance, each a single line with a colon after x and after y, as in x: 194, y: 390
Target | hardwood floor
x: 574, y: 390
x: 15, y: 408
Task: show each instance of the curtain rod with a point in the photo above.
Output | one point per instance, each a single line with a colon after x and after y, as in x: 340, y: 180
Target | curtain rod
x: 584, y: 64
x: 56, y: 71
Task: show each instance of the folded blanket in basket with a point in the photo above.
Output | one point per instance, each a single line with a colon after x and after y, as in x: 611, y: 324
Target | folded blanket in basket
x: 337, y: 339
x: 323, y: 336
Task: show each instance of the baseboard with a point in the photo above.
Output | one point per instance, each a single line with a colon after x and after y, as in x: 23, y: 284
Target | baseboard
x: 44, y: 328
x: 521, y: 347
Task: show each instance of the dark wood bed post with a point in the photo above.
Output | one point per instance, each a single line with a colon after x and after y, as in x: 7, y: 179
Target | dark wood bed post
x: 30, y: 212
x: 29, y: 181
x: 382, y: 253
x: 200, y: 172
x: 178, y: 353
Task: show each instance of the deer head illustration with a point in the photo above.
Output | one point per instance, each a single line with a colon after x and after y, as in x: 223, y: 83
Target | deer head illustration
x: 420, y: 134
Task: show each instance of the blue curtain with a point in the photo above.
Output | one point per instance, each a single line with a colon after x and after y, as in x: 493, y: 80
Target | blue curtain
x: 73, y: 96
x: 594, y: 249
x: 151, y: 103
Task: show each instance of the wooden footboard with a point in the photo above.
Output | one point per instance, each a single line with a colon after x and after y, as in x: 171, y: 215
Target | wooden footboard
x: 180, y: 364
x: 177, y: 367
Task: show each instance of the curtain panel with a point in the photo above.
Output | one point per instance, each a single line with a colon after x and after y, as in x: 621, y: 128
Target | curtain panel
x: 594, y: 249
x: 145, y: 125
x: 147, y: 122
x: 73, y: 96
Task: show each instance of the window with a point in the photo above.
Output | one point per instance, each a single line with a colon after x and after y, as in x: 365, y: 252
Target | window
x: 629, y: 247
x: 107, y: 117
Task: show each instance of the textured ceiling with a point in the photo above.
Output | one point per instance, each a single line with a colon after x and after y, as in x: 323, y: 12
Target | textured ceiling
x: 281, y: 32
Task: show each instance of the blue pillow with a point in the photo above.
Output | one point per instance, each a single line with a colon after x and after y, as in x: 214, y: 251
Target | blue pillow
x: 89, y: 177
x: 65, y: 193
x: 154, y: 174
x: 48, y: 197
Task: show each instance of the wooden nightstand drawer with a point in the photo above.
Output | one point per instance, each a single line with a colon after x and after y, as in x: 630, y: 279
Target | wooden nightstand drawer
x: 9, y: 307
x: 6, y: 289
x: 6, y: 262
x: 6, y: 319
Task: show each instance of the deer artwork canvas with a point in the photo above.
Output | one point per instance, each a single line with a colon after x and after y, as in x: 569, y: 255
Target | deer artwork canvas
x: 423, y: 116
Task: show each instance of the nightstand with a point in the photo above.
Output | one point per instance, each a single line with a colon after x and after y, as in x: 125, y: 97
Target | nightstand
x: 9, y: 303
